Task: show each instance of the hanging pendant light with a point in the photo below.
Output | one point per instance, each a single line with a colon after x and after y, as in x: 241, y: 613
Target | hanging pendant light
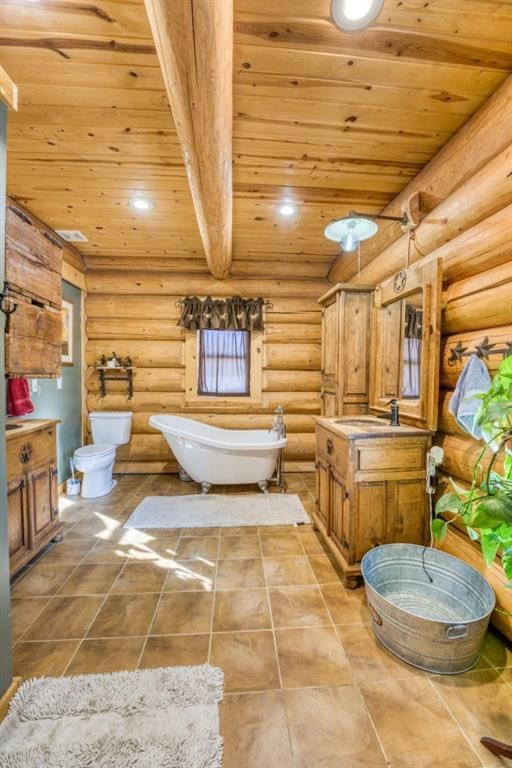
x: 350, y: 231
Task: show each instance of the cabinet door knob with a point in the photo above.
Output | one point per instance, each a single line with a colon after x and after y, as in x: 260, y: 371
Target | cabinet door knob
x: 55, y: 472
x: 25, y: 454
x: 330, y: 445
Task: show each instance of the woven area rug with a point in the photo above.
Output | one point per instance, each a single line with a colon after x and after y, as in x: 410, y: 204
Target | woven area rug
x: 204, y: 511
x: 155, y: 718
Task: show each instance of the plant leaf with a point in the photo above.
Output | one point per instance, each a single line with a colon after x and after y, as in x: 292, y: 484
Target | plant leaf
x: 473, y: 535
x: 490, y: 545
x: 439, y: 529
x: 496, y: 508
x: 449, y: 502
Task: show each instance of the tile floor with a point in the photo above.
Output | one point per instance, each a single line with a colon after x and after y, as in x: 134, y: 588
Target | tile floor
x: 306, y: 684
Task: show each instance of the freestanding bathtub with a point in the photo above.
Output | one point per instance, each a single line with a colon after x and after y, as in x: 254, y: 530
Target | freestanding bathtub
x: 214, y: 456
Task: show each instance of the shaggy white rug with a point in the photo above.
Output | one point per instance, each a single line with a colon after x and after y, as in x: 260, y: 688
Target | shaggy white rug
x: 217, y: 511
x: 155, y: 718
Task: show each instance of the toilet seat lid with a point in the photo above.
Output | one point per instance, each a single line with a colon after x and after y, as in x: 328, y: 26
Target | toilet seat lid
x: 96, y: 449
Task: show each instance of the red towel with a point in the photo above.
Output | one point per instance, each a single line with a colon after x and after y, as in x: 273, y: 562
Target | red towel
x: 18, y: 397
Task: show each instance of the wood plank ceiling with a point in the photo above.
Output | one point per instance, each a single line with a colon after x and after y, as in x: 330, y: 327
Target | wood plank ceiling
x: 326, y: 119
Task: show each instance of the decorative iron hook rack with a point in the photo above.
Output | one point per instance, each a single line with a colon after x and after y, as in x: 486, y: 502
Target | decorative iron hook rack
x: 484, y: 349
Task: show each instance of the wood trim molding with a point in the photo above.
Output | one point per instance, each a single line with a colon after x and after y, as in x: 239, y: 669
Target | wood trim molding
x: 5, y: 700
x: 73, y: 275
x: 194, y: 42
x: 8, y: 91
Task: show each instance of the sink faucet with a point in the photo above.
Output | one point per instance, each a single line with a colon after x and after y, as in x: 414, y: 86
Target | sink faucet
x: 393, y: 415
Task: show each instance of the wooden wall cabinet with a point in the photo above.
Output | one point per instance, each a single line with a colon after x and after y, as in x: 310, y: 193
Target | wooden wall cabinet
x: 346, y: 334
x: 33, y: 269
x: 370, y: 489
x: 32, y: 490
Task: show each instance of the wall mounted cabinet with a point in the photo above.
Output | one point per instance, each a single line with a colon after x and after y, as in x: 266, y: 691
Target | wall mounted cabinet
x: 33, y: 268
x: 32, y: 490
x: 346, y: 334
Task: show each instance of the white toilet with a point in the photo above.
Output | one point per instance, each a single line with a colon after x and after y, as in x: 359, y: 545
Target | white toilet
x: 109, y: 429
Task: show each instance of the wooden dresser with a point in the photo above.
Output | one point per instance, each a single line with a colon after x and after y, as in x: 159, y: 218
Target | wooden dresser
x: 370, y: 487
x: 32, y: 489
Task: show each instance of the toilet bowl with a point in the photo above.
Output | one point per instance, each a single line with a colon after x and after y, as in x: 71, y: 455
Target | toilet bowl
x: 108, y: 429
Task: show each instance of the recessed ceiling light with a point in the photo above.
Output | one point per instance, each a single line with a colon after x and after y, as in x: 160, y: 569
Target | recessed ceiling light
x: 141, y: 204
x: 287, y: 209
x: 351, y: 15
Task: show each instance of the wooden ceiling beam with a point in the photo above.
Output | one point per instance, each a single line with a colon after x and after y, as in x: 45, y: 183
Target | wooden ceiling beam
x: 194, y: 42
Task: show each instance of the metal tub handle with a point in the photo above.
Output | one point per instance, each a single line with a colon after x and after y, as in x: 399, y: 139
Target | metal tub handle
x: 457, y: 632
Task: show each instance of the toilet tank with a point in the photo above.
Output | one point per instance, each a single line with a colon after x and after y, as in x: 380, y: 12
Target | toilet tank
x: 111, y: 426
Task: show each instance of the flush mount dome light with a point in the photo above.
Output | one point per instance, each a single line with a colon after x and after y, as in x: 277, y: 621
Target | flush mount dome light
x: 141, y: 204
x: 287, y: 209
x: 350, y: 231
x: 351, y: 15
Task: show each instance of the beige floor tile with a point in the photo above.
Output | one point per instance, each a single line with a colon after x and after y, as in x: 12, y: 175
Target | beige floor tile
x: 288, y: 571
x: 67, y: 552
x: 202, y: 547
x: 346, y: 606
x: 24, y: 610
x: 183, y: 613
x: 254, y: 729
x: 108, y: 552
x: 124, y: 616
x: 248, y: 660
x: 175, y: 651
x: 330, y: 728
x: 298, y: 607
x: 277, y: 530
x: 41, y: 580
x: 481, y: 702
x: 311, y: 657
x: 239, y: 546
x: 369, y: 660
x: 190, y: 576
x: 244, y: 609
x: 140, y: 577
x: 311, y: 543
x: 239, y: 530
x: 91, y: 579
x: 240, y: 574
x: 114, y: 655
x: 324, y: 570
x: 201, y: 532
x: 281, y: 545
x: 42, y: 659
x: 104, y: 529
x: 497, y: 649
x: 415, y: 727
x: 162, y: 533
x: 64, y: 618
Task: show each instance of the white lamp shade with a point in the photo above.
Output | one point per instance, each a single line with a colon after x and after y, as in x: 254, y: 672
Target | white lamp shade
x: 349, y: 231
x: 351, y: 15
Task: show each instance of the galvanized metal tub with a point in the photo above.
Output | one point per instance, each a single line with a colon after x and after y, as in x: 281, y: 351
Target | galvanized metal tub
x: 435, y: 623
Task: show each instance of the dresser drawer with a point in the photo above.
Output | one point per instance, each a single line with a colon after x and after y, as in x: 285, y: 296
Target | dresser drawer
x: 25, y: 452
x: 385, y: 457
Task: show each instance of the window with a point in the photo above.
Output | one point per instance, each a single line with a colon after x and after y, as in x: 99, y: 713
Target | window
x: 224, y: 368
x: 224, y: 363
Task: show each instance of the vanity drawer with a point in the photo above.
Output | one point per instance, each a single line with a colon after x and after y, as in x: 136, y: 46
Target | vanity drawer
x: 383, y: 457
x: 332, y: 449
x: 25, y: 452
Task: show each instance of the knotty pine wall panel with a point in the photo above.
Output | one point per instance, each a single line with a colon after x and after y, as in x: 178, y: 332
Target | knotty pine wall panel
x: 134, y: 313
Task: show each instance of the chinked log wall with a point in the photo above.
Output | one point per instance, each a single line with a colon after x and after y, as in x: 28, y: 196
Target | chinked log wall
x: 133, y: 313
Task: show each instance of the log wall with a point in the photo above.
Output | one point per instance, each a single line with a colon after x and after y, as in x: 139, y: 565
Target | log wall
x: 133, y: 313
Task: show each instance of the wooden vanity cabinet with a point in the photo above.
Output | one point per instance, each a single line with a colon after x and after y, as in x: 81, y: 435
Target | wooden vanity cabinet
x: 32, y: 490
x: 346, y: 330
x: 370, y: 491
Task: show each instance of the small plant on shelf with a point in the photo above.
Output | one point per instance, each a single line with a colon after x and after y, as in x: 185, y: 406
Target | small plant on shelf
x: 485, y: 507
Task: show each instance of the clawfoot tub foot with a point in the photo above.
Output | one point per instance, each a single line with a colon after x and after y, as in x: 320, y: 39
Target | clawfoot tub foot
x: 205, y: 487
x: 263, y: 485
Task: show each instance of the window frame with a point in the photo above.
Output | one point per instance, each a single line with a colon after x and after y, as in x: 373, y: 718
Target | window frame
x: 192, y: 395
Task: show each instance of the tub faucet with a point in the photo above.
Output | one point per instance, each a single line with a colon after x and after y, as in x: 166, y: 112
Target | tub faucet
x: 278, y: 424
x: 393, y: 415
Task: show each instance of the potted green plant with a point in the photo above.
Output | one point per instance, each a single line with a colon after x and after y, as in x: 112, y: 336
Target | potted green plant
x: 485, y: 508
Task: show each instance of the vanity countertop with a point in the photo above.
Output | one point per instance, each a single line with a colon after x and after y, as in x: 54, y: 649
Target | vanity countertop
x: 27, y: 425
x: 354, y: 427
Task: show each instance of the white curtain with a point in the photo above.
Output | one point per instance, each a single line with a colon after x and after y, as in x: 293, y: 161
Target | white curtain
x: 224, y: 363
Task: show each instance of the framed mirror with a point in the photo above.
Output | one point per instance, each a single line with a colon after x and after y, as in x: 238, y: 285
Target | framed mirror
x: 406, y: 336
